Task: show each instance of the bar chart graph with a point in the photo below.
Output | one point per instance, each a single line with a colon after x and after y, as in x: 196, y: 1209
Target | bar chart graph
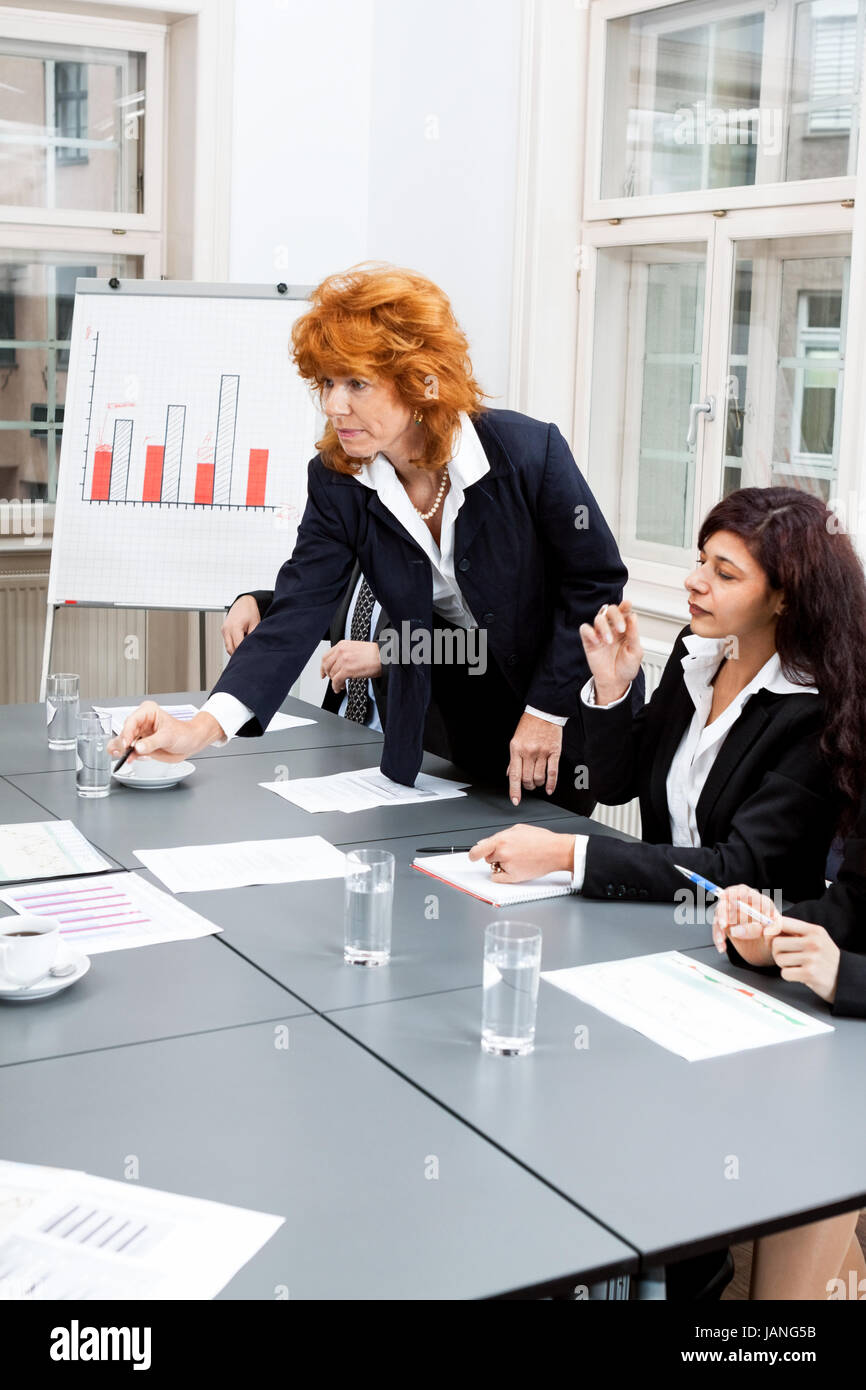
x: 163, y: 465
x: 187, y: 438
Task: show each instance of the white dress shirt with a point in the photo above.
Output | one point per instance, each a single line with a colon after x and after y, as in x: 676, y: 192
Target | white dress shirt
x: 466, y: 467
x: 699, y: 746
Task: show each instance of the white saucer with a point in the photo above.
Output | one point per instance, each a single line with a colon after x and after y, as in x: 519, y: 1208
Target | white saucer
x: 52, y: 984
x: 148, y: 775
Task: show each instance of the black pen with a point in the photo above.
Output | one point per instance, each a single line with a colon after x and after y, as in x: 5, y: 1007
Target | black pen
x: 444, y: 849
x: 123, y: 757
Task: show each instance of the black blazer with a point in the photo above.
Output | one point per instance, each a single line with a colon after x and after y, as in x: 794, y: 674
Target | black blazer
x: 535, y: 559
x: 767, y: 812
x: 841, y: 910
x: 334, y: 698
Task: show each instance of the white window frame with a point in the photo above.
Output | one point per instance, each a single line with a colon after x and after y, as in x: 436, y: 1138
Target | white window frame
x: 65, y: 36
x: 779, y: 31
x: 199, y: 37
x: 648, y: 563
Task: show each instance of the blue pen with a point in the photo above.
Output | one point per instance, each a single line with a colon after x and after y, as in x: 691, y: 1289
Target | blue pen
x: 717, y: 892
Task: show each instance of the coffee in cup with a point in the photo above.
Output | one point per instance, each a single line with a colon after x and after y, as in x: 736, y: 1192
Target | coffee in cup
x: 28, y: 948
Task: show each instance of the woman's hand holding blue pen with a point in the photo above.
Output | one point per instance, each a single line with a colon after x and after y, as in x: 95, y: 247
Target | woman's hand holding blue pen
x: 804, y: 951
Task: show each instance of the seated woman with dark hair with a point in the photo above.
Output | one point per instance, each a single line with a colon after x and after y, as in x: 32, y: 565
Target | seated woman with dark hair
x: 752, y: 751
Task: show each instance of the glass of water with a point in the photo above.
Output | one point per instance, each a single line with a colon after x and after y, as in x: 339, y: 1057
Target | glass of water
x: 369, y: 906
x: 92, y: 760
x: 512, y: 963
x: 61, y: 710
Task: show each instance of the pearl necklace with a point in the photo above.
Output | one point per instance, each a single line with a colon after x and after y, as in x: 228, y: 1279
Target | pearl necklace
x: 425, y: 516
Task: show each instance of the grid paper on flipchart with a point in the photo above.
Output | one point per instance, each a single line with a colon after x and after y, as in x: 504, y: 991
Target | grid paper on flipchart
x: 164, y: 350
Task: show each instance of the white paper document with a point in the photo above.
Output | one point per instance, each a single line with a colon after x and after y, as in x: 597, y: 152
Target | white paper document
x: 111, y: 913
x: 197, y: 868
x: 120, y: 713
x: 46, y: 849
x: 362, y: 790
x: 286, y: 721
x: 66, y: 1235
x: 686, y: 1006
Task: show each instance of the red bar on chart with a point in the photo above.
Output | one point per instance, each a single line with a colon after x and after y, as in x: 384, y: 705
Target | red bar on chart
x: 153, y: 456
x: 204, y: 483
x: 257, y: 477
x: 101, y: 484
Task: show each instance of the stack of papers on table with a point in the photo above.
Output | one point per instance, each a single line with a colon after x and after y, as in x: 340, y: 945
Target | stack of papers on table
x: 475, y: 878
x: 361, y: 791
x: 197, y: 868
x: 65, y: 1235
x: 686, y: 1006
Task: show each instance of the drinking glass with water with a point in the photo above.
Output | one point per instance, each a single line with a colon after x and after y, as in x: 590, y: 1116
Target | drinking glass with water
x: 92, y: 759
x: 369, y: 900
x: 512, y: 963
x: 61, y: 709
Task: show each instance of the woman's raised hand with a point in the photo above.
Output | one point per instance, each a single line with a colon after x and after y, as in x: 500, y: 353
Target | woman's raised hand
x: 613, y: 650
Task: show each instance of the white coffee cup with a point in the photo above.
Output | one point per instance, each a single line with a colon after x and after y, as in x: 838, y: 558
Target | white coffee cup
x: 28, y: 947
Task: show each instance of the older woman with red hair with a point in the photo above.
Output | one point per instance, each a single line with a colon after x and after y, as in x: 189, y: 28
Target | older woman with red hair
x: 473, y: 527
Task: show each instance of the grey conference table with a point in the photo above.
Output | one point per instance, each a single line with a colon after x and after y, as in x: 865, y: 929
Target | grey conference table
x: 385, y: 1195
x: 208, y: 998
x: 295, y: 932
x: 222, y: 800
x: 675, y: 1157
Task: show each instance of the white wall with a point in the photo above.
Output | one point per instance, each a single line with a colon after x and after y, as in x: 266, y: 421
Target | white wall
x: 300, y: 154
x: 443, y: 158
x: 382, y: 129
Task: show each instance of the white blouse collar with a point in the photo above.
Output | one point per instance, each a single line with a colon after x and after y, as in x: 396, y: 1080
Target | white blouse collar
x: 468, y: 464
x: 704, y: 655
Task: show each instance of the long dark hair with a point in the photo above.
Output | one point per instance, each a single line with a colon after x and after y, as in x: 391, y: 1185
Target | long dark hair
x: 821, y: 632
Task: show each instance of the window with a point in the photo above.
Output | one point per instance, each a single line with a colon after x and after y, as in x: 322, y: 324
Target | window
x: 714, y: 333
x: 81, y: 190
x: 7, y: 320
x: 698, y: 96
x: 833, y: 72
x: 70, y: 109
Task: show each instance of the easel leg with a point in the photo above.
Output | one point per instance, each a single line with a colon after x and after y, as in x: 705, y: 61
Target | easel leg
x: 202, y: 650
x: 46, y: 651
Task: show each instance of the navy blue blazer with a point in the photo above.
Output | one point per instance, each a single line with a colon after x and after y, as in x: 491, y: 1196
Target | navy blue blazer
x: 534, y: 557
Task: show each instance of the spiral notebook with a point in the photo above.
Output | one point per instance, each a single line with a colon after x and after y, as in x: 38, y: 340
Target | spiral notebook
x: 474, y: 878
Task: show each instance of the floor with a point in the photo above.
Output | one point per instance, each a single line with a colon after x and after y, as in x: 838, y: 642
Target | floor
x: 739, y: 1285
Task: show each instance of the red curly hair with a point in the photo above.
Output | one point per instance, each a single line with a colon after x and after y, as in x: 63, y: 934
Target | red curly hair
x: 380, y: 321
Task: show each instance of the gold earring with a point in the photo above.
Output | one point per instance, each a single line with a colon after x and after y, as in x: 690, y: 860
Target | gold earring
x: 418, y: 417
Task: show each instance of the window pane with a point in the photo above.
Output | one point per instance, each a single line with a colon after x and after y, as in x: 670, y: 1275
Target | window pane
x: 71, y: 127
x: 670, y: 381
x: 786, y: 364
x: 37, y: 291
x: 649, y: 318
x: 695, y: 97
x: 827, y: 59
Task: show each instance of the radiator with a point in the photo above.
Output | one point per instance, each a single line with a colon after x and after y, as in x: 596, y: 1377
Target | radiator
x: 627, y: 817
x: 94, y: 642
x: 22, y: 623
